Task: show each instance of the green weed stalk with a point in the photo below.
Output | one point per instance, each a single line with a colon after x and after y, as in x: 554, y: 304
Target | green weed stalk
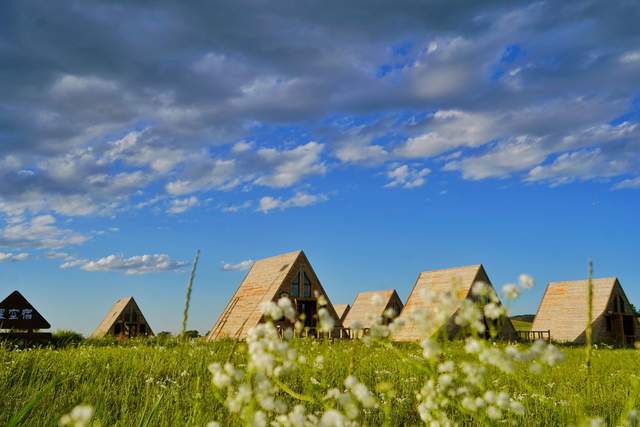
x: 185, y: 314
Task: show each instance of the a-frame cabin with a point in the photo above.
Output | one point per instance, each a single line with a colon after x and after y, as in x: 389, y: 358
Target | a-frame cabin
x: 269, y: 279
x: 20, y: 320
x: 370, y: 306
x: 457, y: 282
x: 124, y: 320
x: 564, y: 311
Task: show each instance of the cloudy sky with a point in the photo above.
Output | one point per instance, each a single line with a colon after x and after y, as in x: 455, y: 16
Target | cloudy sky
x: 383, y: 138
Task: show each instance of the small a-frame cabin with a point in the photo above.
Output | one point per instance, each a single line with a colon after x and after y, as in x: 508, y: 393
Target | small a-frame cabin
x: 269, y: 279
x: 564, y: 312
x: 438, y: 283
x: 124, y: 320
x: 342, y: 310
x: 371, y: 305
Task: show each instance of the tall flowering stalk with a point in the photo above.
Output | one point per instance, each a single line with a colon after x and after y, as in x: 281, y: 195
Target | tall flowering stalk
x: 185, y: 314
x: 589, y: 331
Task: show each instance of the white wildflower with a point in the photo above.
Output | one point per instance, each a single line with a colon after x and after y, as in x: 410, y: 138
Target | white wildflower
x: 552, y: 355
x: 272, y: 310
x: 479, y: 289
x: 326, y: 320
x: 472, y: 346
x: 390, y: 313
x: 510, y: 291
x: 287, y: 309
x: 525, y: 281
x: 430, y: 349
x: 494, y: 413
x: 332, y: 418
x: 494, y: 311
x: 80, y: 416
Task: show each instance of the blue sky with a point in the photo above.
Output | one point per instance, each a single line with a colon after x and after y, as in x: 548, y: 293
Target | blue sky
x: 383, y: 139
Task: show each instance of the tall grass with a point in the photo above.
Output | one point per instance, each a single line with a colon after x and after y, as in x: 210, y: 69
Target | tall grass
x: 125, y: 382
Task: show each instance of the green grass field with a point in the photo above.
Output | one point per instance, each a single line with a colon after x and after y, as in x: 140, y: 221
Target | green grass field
x: 521, y: 325
x: 151, y: 384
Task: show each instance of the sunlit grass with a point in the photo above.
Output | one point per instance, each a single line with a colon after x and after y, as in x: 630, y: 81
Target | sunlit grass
x: 125, y: 382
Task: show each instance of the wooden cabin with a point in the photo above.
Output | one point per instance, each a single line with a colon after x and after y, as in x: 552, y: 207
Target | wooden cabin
x: 564, y: 312
x: 288, y: 275
x: 124, y: 320
x: 20, y: 320
x: 438, y: 283
x: 371, y: 305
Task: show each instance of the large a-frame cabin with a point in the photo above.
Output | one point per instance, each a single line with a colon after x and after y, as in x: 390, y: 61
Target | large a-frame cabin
x: 456, y: 282
x: 564, y: 312
x: 269, y: 279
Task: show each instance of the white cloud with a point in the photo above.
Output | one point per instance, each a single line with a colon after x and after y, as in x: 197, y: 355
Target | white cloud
x: 630, y: 57
x: 238, y: 207
x: 58, y: 255
x: 210, y: 173
x: 300, y: 199
x: 72, y: 85
x: 449, y: 129
x: 240, y: 266
x: 505, y: 158
x: 579, y: 165
x: 242, y: 146
x: 360, y: 152
x: 628, y: 183
x: 178, y: 206
x: 290, y: 166
x: 9, y: 256
x: 39, y: 232
x: 406, y: 177
x: 71, y: 263
x: 140, y: 264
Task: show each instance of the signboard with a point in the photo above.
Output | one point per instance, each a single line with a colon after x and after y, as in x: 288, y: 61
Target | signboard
x: 16, y: 313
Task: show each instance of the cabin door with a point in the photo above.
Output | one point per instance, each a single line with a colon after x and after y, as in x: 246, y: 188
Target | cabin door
x: 309, y: 309
x: 628, y: 326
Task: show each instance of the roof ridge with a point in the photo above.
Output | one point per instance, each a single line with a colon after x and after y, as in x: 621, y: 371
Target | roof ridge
x: 462, y: 267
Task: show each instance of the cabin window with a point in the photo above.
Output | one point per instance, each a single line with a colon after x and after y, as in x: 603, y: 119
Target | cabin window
x: 307, y: 286
x: 143, y: 328
x: 295, y: 286
x: 117, y: 329
x: 608, y: 322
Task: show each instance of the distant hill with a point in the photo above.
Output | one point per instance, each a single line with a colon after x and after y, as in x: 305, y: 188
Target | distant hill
x: 524, y: 317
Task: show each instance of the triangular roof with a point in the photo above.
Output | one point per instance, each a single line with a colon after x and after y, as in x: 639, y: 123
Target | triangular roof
x: 23, y: 320
x: 365, y: 309
x: 114, y: 313
x: 458, y: 281
x: 564, y: 306
x: 261, y: 284
x: 342, y: 310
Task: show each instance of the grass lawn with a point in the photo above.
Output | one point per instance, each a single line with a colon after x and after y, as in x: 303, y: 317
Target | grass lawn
x: 521, y: 325
x: 125, y: 382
